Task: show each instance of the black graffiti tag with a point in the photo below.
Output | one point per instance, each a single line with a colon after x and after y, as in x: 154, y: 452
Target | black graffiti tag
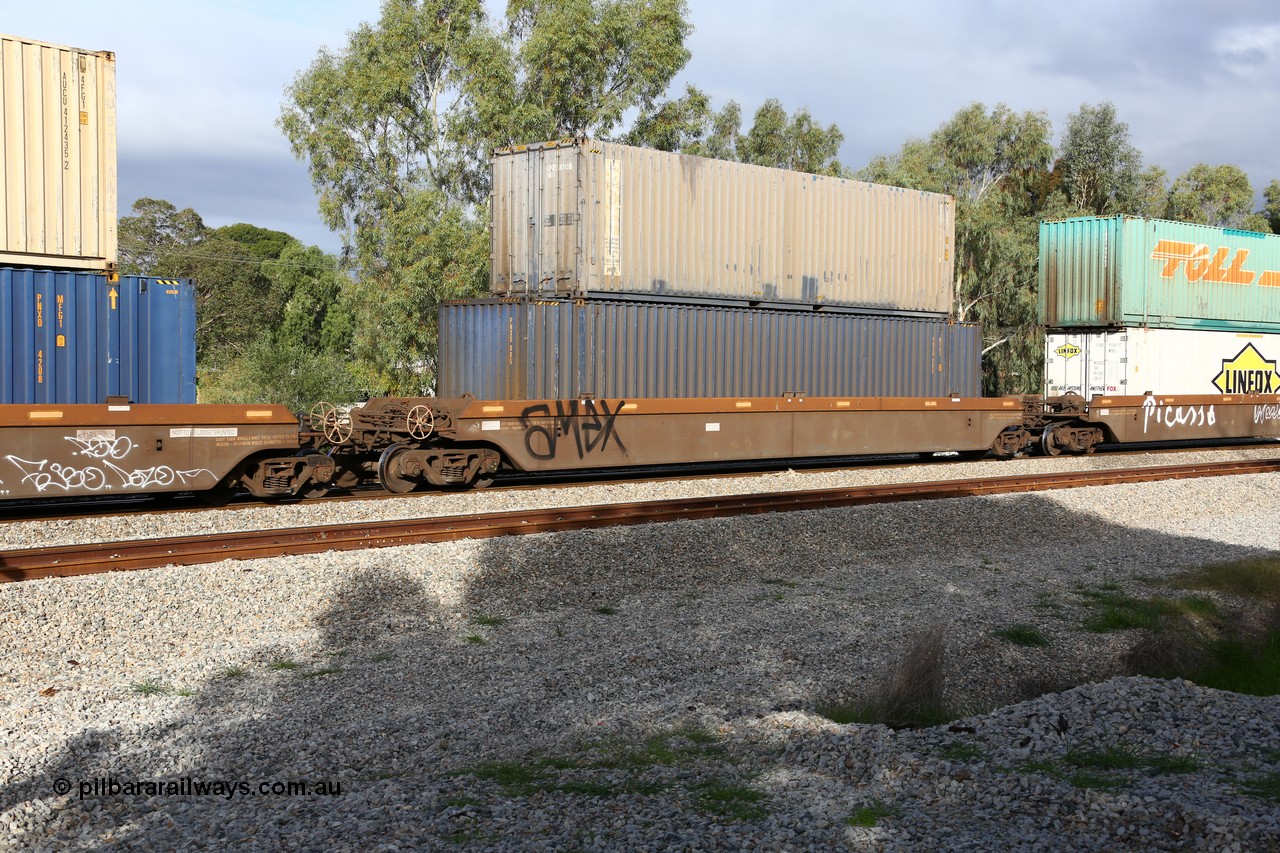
x: 592, y: 428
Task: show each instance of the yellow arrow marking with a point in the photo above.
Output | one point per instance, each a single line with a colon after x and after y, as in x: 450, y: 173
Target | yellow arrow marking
x: 113, y: 294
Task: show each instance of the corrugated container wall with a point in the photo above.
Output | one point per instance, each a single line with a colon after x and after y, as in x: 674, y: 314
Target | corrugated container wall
x: 1162, y: 361
x: 77, y: 337
x: 1124, y: 272
x: 585, y: 218
x: 57, y: 156
x: 564, y: 349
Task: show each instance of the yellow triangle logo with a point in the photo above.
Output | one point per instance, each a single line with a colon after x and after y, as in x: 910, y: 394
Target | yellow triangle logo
x: 1248, y: 373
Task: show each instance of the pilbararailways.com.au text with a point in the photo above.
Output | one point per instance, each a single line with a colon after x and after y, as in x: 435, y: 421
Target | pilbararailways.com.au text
x: 187, y: 786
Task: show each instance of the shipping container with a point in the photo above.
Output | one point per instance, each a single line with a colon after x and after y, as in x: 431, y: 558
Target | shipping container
x: 1124, y: 272
x: 582, y: 218
x: 79, y: 337
x: 1160, y: 361
x: 565, y: 349
x: 57, y: 156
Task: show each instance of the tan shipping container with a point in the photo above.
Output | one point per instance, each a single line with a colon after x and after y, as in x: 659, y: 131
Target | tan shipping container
x: 580, y: 217
x: 57, y: 156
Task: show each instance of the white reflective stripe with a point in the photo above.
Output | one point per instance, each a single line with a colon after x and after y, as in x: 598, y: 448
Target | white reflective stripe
x: 489, y: 426
x: 713, y: 427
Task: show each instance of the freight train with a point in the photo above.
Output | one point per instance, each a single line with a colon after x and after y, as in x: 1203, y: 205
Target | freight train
x: 411, y: 443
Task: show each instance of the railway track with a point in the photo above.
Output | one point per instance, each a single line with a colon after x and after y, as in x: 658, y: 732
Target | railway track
x: 66, y: 561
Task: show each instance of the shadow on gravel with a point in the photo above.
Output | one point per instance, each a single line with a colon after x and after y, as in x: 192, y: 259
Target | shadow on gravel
x: 555, y: 641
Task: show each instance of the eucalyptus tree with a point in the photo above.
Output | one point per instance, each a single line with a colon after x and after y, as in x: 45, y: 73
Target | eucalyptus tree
x: 397, y: 128
x: 1102, y: 172
x: 1211, y: 195
x: 1271, y: 205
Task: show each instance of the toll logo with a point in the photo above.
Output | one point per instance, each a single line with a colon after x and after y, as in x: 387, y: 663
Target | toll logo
x: 1248, y: 372
x: 1068, y: 351
x: 1198, y: 263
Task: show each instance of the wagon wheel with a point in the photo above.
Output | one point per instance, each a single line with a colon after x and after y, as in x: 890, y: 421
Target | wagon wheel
x: 335, y: 424
x: 1049, y: 445
x: 420, y: 421
x: 389, y: 473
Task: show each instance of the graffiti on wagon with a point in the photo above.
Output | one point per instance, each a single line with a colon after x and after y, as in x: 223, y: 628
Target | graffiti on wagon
x: 104, y: 469
x: 590, y: 423
x: 1171, y: 417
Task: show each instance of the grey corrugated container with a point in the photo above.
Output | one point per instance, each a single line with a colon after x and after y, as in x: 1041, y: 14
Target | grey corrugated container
x: 563, y: 349
x: 581, y: 217
x: 57, y: 156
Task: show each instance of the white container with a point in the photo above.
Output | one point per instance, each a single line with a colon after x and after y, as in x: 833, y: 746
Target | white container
x: 1162, y: 361
x: 57, y: 156
x: 583, y: 218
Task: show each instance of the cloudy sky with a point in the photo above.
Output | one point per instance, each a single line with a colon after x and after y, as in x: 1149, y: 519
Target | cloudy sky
x: 200, y: 82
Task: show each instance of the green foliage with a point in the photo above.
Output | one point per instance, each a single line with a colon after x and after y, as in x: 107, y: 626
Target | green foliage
x: 396, y: 130
x: 1256, y: 578
x: 271, y: 326
x: 1101, y: 171
x: 1265, y: 787
x: 871, y: 814
x: 1211, y: 195
x: 1114, y: 610
x: 774, y: 139
x: 1271, y: 205
x: 1023, y: 635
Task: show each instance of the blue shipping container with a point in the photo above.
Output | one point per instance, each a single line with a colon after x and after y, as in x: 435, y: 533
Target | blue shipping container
x: 79, y: 337
x: 560, y: 349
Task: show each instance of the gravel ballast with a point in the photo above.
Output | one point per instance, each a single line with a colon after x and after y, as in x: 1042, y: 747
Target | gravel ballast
x: 644, y: 688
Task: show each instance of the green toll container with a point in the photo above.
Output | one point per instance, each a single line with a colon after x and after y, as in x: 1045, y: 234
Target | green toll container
x: 1127, y: 272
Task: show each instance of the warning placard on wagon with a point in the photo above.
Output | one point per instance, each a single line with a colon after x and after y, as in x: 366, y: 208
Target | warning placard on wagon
x: 204, y: 432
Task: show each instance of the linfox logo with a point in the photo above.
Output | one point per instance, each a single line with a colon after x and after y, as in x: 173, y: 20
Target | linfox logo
x: 1068, y: 351
x: 1248, y: 373
x: 1200, y: 265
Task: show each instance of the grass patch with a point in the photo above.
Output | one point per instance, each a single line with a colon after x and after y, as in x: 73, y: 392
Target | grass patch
x: 232, y: 672
x: 284, y: 665
x: 1112, y: 766
x: 486, y: 619
x: 735, y: 801
x: 871, y: 814
x: 965, y: 752
x: 382, y: 658
x: 1114, y: 610
x: 1022, y: 635
x: 1264, y: 787
x: 184, y: 691
x: 475, y: 638
x: 606, y: 610
x: 610, y: 769
x: 1243, y: 667
x: 150, y: 687
x: 1258, y: 579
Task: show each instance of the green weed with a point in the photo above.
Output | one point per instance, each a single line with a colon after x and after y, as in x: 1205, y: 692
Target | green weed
x: 1023, y: 635
x: 871, y: 814
x: 150, y: 687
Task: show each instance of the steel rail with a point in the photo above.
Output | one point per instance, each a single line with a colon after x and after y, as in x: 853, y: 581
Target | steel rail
x: 63, y: 561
